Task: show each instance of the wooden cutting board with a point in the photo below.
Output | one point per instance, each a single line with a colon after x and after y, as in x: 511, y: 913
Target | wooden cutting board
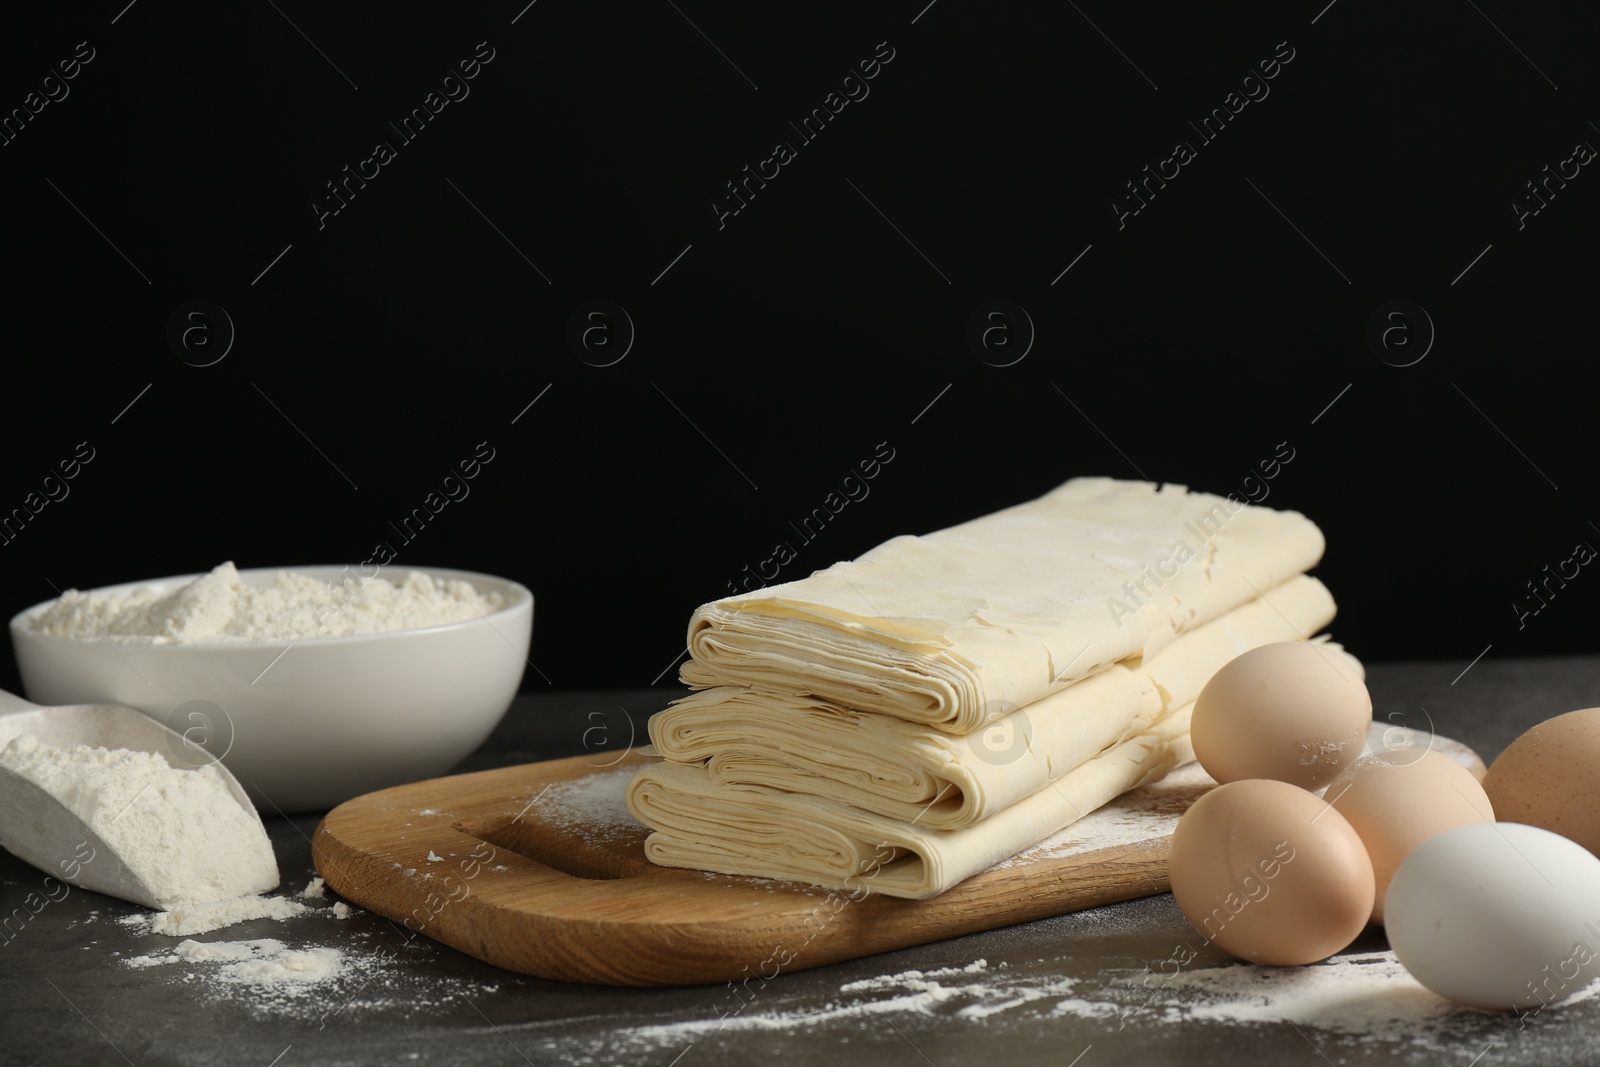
x: 539, y: 869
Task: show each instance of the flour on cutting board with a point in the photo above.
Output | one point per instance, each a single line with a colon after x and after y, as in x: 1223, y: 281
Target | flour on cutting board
x: 592, y: 805
x: 1142, y: 816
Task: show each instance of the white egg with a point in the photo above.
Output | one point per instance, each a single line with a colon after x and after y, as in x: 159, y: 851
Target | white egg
x: 1497, y: 915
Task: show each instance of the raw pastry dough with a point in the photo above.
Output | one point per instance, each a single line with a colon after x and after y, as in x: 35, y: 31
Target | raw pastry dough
x: 753, y: 830
x: 1007, y: 608
x: 903, y: 721
x: 906, y: 770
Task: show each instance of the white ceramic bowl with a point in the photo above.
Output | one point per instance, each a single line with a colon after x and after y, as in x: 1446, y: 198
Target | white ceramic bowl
x: 331, y: 718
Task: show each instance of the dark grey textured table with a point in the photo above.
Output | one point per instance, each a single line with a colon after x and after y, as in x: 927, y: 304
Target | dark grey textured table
x: 1091, y: 985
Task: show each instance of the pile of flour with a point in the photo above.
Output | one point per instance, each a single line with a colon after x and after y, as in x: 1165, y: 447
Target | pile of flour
x: 185, y: 920
x: 265, y: 961
x: 180, y: 832
x: 219, y: 606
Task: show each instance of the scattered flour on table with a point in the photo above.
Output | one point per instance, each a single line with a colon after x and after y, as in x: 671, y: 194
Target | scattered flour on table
x: 179, y: 831
x: 273, y: 978
x: 1139, y: 817
x: 314, y: 890
x: 263, y: 962
x: 909, y: 992
x: 922, y: 991
x: 1362, y: 998
x: 219, y: 606
x: 593, y: 804
x: 1363, y: 993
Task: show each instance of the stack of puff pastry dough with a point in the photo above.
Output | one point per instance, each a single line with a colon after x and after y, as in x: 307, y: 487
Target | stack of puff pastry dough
x: 900, y: 722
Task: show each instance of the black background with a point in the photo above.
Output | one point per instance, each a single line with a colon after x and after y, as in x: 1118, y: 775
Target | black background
x: 775, y: 352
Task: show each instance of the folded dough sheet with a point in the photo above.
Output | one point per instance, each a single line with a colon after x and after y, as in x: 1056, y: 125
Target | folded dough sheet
x: 900, y: 722
x: 1006, y: 609
x: 755, y: 830
x: 887, y: 766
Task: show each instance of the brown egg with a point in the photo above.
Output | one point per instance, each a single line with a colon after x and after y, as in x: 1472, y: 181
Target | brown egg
x: 1398, y: 799
x: 1550, y: 777
x: 1270, y: 873
x: 1293, y: 711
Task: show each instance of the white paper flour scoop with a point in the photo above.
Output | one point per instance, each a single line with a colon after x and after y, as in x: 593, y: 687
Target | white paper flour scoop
x: 38, y: 828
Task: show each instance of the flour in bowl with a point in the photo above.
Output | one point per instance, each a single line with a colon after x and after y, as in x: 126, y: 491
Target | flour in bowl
x: 220, y: 606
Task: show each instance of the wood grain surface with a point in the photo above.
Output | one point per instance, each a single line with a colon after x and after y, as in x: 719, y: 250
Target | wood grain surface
x: 525, y: 885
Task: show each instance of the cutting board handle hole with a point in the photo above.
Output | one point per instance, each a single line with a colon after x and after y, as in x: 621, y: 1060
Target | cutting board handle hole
x: 560, y: 849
